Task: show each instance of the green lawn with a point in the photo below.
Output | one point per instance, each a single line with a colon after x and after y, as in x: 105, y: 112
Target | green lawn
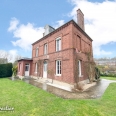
x: 28, y: 100
x: 109, y: 78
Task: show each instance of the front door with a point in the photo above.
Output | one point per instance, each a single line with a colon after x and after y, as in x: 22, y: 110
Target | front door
x: 26, y: 69
x: 45, y: 69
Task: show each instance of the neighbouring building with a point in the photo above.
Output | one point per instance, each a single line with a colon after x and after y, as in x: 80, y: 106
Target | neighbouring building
x: 54, y: 55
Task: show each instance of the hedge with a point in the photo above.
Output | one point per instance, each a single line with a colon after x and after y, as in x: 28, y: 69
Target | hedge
x: 6, y: 70
x: 107, y: 75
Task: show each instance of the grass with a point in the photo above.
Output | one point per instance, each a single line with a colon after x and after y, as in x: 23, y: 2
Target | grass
x: 28, y: 100
x: 109, y: 78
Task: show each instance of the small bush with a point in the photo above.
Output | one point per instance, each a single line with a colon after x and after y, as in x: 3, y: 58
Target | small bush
x: 6, y: 70
x: 14, y: 70
x: 97, y: 73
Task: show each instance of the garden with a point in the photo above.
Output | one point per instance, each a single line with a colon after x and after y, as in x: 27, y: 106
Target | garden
x: 28, y: 100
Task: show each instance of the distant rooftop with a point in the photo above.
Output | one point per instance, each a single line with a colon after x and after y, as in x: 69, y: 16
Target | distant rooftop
x: 25, y: 58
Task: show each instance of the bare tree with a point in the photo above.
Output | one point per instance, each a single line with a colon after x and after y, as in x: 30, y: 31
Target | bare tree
x: 5, y: 56
x: 17, y: 57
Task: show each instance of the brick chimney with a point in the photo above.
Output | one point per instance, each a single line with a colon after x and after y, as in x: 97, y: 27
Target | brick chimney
x: 80, y: 19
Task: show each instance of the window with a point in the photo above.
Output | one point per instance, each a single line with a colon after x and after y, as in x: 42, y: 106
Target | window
x: 37, y: 49
x: 79, y: 68
x: 45, y: 49
x: 19, y: 67
x: 58, y: 67
x: 26, y: 67
x: 58, y: 44
x: 35, y: 67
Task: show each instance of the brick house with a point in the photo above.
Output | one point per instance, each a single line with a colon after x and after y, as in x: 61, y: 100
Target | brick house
x: 53, y: 56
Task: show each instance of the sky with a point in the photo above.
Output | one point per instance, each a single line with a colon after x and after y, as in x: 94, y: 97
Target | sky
x: 22, y: 23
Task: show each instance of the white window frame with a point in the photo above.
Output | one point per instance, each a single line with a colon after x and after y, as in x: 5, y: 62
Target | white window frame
x: 58, y: 44
x: 37, y: 50
x: 79, y: 67
x: 35, y: 67
x: 45, y: 49
x: 58, y: 68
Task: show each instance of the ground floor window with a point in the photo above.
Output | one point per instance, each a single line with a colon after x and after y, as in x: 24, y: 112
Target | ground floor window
x: 19, y: 67
x: 79, y: 68
x: 26, y: 67
x: 35, y: 67
x: 58, y: 67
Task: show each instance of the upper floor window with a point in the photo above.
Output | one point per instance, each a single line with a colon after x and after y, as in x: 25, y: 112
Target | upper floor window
x: 58, y: 67
x: 45, y: 48
x: 36, y: 53
x: 58, y: 44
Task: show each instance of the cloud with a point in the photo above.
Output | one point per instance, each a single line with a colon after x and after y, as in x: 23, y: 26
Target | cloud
x: 13, y: 24
x: 58, y: 23
x: 98, y: 52
x: 27, y: 34
x: 100, y: 22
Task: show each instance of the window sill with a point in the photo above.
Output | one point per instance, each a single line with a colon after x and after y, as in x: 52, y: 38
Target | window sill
x: 35, y: 72
x: 58, y: 75
x: 58, y: 51
x: 80, y: 75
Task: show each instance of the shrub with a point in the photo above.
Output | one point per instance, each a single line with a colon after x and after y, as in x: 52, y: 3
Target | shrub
x: 97, y: 73
x: 6, y: 70
x: 14, y: 70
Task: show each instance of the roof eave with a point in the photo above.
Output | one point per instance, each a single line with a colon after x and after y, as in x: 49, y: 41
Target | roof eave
x: 61, y: 27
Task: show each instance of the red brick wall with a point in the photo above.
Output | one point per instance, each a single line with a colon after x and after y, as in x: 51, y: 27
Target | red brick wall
x: 71, y: 38
x: 65, y: 55
x: 66, y: 58
x: 81, y: 43
x: 22, y: 63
